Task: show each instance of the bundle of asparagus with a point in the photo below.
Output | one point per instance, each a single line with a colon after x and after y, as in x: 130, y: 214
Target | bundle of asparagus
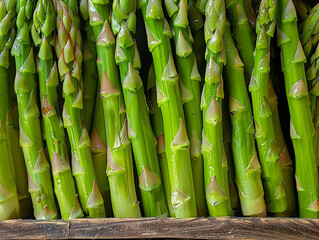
x: 175, y: 130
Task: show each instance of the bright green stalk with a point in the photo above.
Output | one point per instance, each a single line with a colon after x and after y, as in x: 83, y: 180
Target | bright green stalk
x: 243, y: 34
x: 170, y: 101
x: 158, y: 129
x: 309, y: 31
x: 227, y: 136
x: 9, y: 202
x: 190, y: 86
x: 90, y: 75
x: 302, y: 129
x: 68, y: 50
x: 275, y: 194
x: 119, y: 153
x: 248, y: 170
x: 139, y: 125
x: 39, y: 173
x: 16, y: 155
x: 43, y: 30
x: 215, y: 159
x: 99, y: 154
x: 285, y: 160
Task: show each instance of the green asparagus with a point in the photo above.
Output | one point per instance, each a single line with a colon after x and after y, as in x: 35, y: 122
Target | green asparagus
x: 215, y: 159
x: 68, y: 43
x: 302, y: 130
x: 119, y: 153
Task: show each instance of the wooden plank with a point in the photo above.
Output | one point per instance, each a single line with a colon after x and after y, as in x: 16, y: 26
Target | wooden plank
x: 195, y: 228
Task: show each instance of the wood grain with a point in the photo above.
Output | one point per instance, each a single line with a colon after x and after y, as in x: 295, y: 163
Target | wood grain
x: 195, y: 228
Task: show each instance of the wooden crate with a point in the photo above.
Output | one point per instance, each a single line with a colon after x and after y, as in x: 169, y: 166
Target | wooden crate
x: 161, y: 228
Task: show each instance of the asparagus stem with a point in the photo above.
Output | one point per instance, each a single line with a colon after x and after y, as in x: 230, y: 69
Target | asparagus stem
x: 64, y: 185
x: 139, y: 125
x: 9, y: 203
x: 39, y: 173
x: 245, y: 42
x: 16, y: 155
x: 170, y: 101
x: 89, y: 74
x: 190, y: 86
x: 119, y: 153
x: 275, y: 193
x: 215, y: 160
x: 158, y: 129
x: 285, y: 160
x: 302, y: 129
x: 99, y: 153
x: 248, y: 170
x: 68, y: 43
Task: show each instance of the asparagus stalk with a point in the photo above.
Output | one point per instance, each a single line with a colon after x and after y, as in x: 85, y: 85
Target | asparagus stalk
x: 285, y: 160
x: 302, y: 9
x: 244, y: 42
x: 99, y: 153
x: 215, y: 159
x: 170, y: 101
x: 39, y: 173
x: 119, y: 153
x: 43, y: 30
x: 190, y: 86
x: 139, y: 125
x: 89, y: 74
x: 158, y: 129
x: 68, y: 42
x: 248, y: 170
x: 16, y: 155
x: 302, y: 129
x: 9, y: 203
x: 275, y: 193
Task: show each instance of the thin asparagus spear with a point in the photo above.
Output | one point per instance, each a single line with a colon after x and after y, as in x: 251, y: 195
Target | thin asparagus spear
x: 99, y: 153
x: 39, y: 173
x: 275, y: 193
x: 9, y: 203
x: 43, y: 30
x: 68, y: 42
x: 243, y: 34
x: 119, y: 153
x: 190, y: 86
x: 285, y: 160
x: 170, y: 101
x: 248, y: 170
x: 215, y: 160
x: 158, y: 129
x: 302, y: 129
x: 16, y: 155
x: 90, y: 75
x: 139, y: 125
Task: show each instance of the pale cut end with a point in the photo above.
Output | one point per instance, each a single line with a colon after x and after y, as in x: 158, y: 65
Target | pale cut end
x: 148, y: 180
x: 46, y: 214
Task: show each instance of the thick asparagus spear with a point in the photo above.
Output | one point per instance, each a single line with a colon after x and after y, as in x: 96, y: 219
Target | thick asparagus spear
x: 247, y: 166
x: 285, y: 160
x: 243, y: 34
x: 139, y: 125
x: 119, y: 153
x: 170, y: 101
x: 43, y: 31
x: 302, y: 129
x: 90, y: 75
x: 39, y: 173
x: 9, y: 203
x: 158, y: 129
x: 215, y: 160
x: 68, y: 42
x: 275, y: 193
x: 190, y: 86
